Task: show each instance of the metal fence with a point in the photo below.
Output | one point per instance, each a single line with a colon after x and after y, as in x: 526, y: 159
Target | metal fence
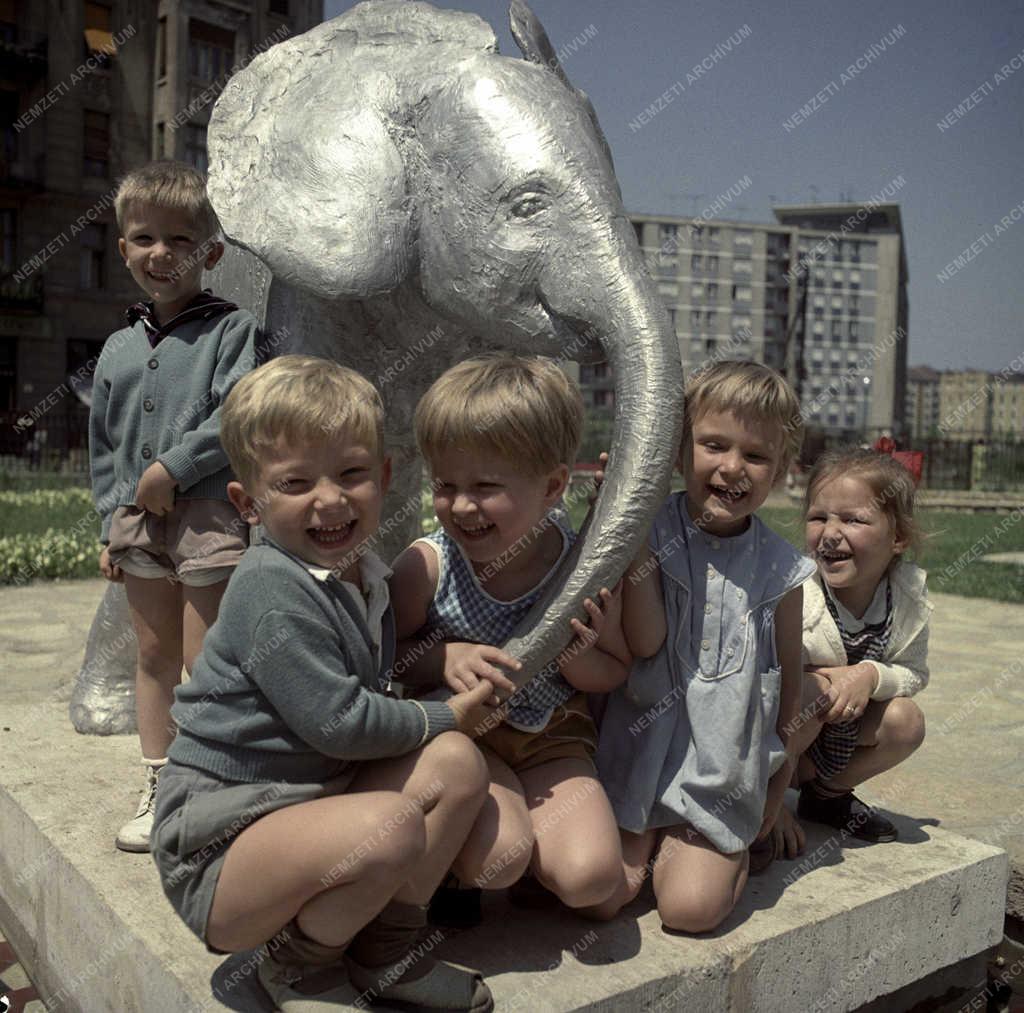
x: 56, y: 442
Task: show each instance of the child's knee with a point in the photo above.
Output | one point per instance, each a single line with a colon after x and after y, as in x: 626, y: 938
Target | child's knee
x: 904, y: 723
x: 582, y: 879
x: 458, y: 767
x: 400, y: 841
x: 694, y: 909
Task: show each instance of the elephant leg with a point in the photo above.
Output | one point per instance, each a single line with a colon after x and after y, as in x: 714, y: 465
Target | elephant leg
x: 103, y: 698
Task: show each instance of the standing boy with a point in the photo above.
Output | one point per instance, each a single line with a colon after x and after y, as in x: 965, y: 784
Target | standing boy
x: 159, y: 474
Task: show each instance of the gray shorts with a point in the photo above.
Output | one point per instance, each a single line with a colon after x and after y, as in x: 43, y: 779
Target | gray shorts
x: 199, y: 542
x: 197, y: 817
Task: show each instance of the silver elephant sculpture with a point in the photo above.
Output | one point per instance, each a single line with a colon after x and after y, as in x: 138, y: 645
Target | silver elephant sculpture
x: 416, y: 198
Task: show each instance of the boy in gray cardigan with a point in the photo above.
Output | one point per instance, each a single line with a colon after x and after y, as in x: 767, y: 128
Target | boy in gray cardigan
x: 303, y: 807
x: 159, y: 474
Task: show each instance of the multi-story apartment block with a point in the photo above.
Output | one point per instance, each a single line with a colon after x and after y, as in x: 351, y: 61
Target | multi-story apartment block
x: 923, y: 412
x: 1008, y: 407
x: 965, y: 403
x: 87, y: 91
x: 820, y: 295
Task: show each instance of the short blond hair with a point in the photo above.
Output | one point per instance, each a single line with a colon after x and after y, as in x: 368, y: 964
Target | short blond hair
x: 302, y: 400
x: 752, y: 392
x: 167, y: 184
x: 522, y: 408
x: 891, y: 484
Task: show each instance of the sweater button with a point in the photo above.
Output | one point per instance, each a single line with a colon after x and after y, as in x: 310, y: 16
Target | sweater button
x: 147, y: 453
x: 148, y: 404
x: 152, y: 363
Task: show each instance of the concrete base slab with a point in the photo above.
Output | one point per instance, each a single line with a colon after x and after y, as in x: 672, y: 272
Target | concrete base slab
x: 844, y: 924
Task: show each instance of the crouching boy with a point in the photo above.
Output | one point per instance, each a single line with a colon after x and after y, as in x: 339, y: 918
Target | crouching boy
x: 302, y: 807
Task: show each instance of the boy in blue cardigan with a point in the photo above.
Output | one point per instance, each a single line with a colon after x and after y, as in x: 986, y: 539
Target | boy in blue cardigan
x: 304, y: 808
x: 159, y: 474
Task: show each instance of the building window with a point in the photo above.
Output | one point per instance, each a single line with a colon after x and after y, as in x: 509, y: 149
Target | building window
x: 667, y: 233
x: 195, y: 146
x: 713, y: 264
x: 92, y: 257
x: 95, y: 144
x: 8, y: 373
x: 712, y: 291
x: 709, y: 316
x: 837, y: 279
x: 742, y: 293
x: 743, y: 238
x: 695, y: 262
x: 713, y: 234
x: 854, y: 308
x: 211, y: 51
x: 854, y: 330
x: 854, y: 254
x: 8, y: 239
x: 742, y: 266
x: 99, y: 43
x: 697, y: 291
x: 837, y: 302
x: 161, y: 48
x: 279, y: 7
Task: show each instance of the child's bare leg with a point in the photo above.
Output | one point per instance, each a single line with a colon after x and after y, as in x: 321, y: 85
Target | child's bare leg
x: 325, y: 861
x: 637, y: 850
x: 777, y: 785
x: 156, y: 612
x: 200, y: 611
x: 500, y: 843
x: 577, y: 854
x: 696, y: 886
x: 392, y: 836
x: 890, y: 731
x: 448, y: 779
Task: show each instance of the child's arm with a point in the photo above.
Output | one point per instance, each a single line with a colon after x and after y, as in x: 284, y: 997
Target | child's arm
x: 424, y: 661
x: 789, y: 650
x: 598, y: 659
x: 199, y: 452
x: 907, y: 673
x: 643, y: 607
x: 643, y: 610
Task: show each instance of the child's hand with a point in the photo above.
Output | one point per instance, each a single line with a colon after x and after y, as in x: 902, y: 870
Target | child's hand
x: 474, y: 713
x: 850, y: 692
x: 110, y: 570
x: 465, y: 665
x: 608, y: 612
x: 155, y: 492
x: 787, y: 834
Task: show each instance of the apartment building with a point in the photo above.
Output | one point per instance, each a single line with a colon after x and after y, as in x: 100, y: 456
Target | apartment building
x: 87, y: 91
x: 965, y: 404
x: 820, y: 295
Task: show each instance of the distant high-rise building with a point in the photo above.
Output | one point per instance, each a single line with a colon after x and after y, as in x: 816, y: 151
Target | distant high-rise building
x: 820, y: 295
x: 923, y: 411
x: 89, y: 90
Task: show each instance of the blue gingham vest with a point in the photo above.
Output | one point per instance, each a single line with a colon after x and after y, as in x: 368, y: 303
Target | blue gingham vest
x: 463, y: 610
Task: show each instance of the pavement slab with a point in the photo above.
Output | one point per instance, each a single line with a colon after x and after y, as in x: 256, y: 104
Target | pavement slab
x: 846, y: 922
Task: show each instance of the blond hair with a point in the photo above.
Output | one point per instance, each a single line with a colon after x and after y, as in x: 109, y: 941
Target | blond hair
x: 750, y: 391
x: 891, y: 484
x: 302, y: 400
x: 167, y: 184
x: 522, y: 408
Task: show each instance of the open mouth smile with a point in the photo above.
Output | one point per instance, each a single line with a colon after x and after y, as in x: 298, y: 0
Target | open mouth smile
x: 726, y: 494
x: 476, y: 532
x: 834, y: 555
x: 337, y: 534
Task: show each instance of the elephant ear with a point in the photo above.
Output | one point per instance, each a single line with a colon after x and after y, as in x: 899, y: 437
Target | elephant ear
x: 536, y: 47
x: 305, y: 170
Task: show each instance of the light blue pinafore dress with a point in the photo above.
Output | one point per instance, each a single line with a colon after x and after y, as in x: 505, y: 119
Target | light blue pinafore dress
x: 691, y: 737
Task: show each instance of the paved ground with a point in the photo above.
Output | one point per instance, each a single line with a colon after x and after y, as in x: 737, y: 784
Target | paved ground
x: 968, y: 776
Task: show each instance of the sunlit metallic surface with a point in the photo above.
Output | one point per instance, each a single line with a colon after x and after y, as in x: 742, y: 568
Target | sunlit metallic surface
x: 417, y: 198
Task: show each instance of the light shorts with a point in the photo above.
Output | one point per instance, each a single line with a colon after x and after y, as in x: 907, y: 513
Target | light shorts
x: 198, y: 543
x: 570, y: 732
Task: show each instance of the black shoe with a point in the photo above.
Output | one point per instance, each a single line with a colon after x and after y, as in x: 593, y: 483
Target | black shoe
x: 846, y: 812
x: 455, y: 908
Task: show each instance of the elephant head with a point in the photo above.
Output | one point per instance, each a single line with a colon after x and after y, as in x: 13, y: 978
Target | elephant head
x: 400, y: 179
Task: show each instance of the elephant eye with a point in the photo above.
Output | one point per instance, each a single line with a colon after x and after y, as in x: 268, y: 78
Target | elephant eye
x: 527, y: 205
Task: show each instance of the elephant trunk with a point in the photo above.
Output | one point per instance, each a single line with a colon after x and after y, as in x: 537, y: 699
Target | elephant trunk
x: 633, y: 328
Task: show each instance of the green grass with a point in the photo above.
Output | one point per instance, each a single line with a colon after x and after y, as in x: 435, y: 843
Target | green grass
x: 50, y: 533
x: 953, y: 546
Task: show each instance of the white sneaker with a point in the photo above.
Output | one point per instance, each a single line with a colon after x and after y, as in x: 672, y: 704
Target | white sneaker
x: 134, y: 835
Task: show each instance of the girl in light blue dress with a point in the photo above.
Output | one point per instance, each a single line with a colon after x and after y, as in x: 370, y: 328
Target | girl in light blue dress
x: 692, y: 750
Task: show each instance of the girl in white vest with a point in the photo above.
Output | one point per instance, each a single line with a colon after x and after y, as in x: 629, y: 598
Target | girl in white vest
x: 865, y: 636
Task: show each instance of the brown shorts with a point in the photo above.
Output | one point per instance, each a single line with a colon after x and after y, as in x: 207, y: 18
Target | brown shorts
x: 569, y: 733
x: 198, y: 543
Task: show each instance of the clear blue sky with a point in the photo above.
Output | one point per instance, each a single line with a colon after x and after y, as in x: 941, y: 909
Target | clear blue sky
x: 882, y: 123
